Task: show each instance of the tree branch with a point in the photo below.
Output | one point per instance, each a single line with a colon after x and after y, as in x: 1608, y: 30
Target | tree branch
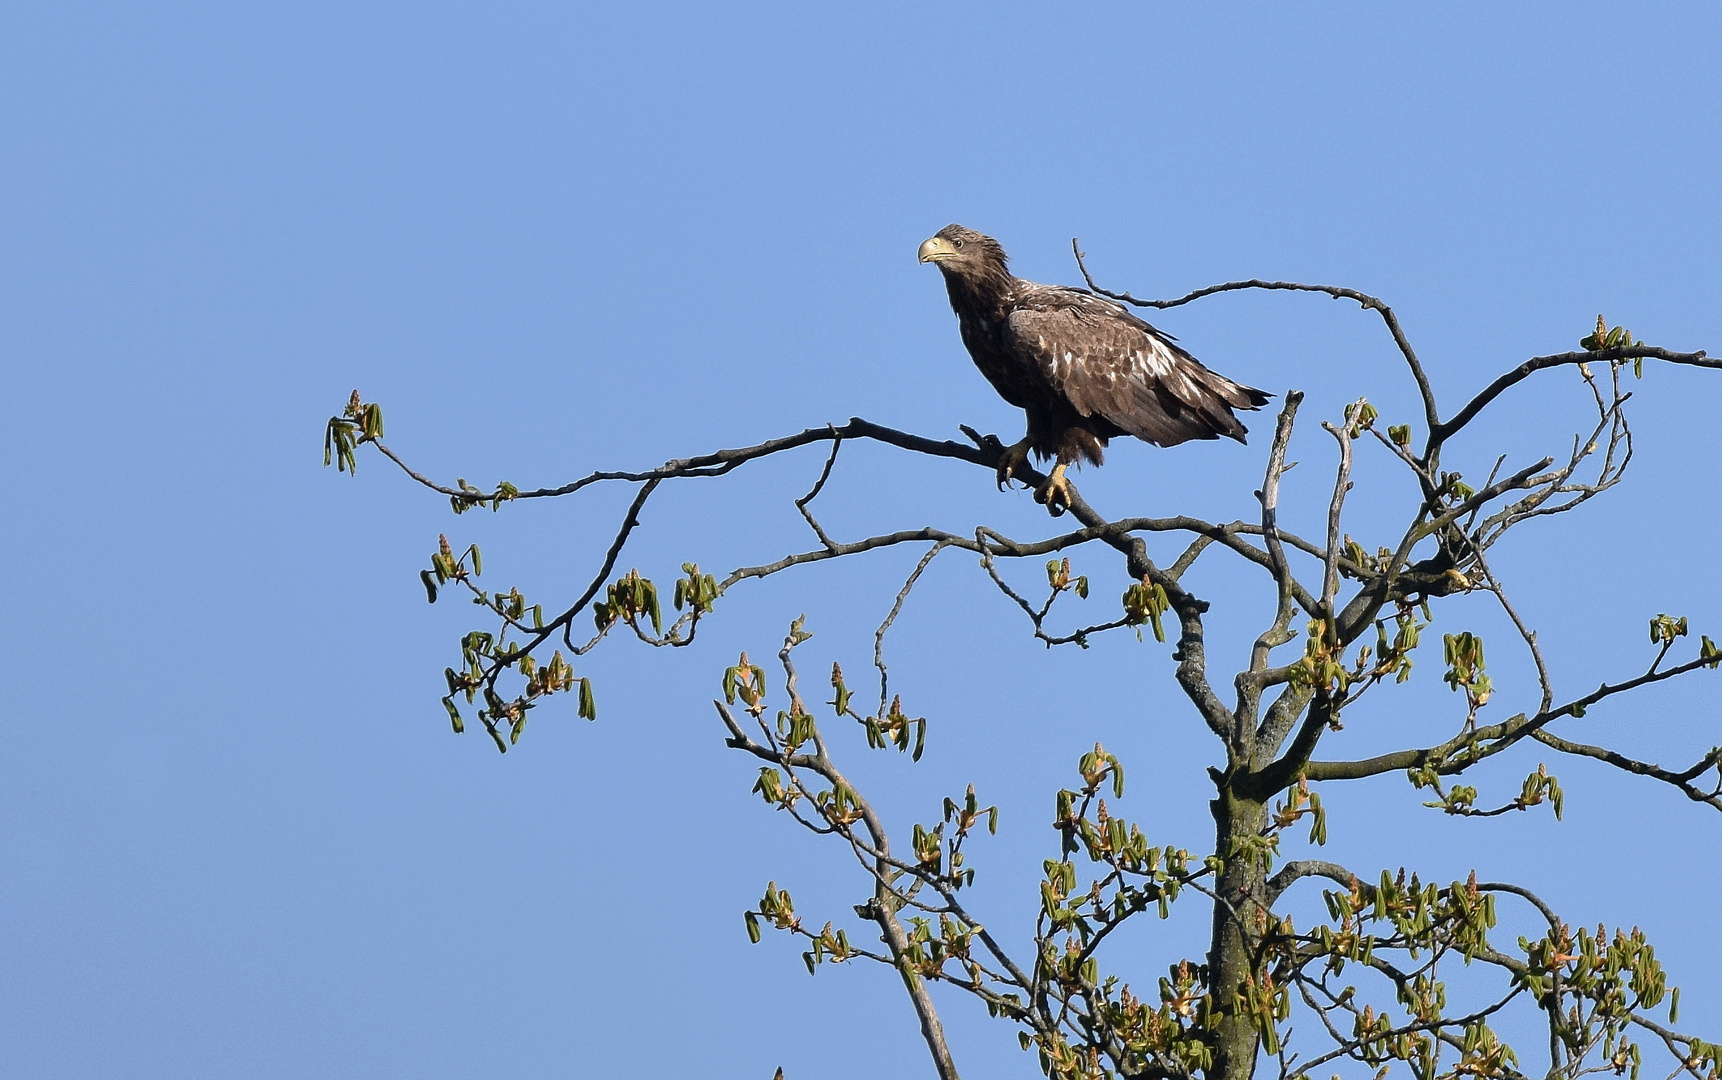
x: 1251, y: 683
x: 1364, y: 300
x: 1681, y: 780
x: 1461, y: 752
x: 1440, y: 433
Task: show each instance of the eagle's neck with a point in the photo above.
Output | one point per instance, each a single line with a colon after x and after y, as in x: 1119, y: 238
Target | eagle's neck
x: 984, y: 295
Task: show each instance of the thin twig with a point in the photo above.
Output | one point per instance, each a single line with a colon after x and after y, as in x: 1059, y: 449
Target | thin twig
x: 879, y: 634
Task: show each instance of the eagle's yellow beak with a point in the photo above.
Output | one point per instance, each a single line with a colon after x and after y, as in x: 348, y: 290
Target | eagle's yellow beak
x: 937, y: 248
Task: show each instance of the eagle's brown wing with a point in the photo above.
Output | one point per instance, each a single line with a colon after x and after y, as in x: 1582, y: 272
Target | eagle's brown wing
x: 1107, y: 362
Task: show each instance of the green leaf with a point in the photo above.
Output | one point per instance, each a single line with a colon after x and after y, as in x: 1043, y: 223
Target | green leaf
x: 752, y: 927
x: 588, y: 707
x: 840, y: 702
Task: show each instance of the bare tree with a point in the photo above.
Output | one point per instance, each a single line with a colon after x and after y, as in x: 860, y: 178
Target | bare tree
x: 1368, y: 981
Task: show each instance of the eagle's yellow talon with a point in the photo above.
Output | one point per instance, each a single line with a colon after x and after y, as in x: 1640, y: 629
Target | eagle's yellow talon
x: 1054, y: 492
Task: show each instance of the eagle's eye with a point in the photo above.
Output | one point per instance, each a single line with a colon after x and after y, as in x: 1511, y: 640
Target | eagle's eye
x: 959, y: 243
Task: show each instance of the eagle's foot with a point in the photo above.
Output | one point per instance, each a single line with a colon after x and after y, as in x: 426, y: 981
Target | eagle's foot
x: 1054, y: 492
x: 1013, y: 458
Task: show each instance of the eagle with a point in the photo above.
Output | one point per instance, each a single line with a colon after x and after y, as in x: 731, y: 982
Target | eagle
x: 1082, y: 367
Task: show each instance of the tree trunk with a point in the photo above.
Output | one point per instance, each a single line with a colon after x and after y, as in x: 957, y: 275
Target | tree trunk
x: 1241, y: 887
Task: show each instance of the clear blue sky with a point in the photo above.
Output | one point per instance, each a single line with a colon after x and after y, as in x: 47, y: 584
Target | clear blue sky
x: 236, y: 836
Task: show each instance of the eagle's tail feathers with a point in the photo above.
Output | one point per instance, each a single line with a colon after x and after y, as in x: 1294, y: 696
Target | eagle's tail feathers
x: 1200, y: 404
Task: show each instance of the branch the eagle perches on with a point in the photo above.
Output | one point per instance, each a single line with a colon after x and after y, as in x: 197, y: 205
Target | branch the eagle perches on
x: 1217, y: 1016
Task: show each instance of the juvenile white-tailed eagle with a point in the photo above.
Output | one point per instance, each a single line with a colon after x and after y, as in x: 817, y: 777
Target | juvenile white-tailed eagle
x: 1082, y: 366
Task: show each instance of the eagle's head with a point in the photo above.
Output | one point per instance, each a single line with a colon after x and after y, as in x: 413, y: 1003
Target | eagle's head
x: 964, y: 253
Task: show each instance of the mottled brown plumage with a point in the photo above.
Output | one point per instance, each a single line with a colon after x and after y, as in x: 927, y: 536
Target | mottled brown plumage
x: 1083, y: 367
